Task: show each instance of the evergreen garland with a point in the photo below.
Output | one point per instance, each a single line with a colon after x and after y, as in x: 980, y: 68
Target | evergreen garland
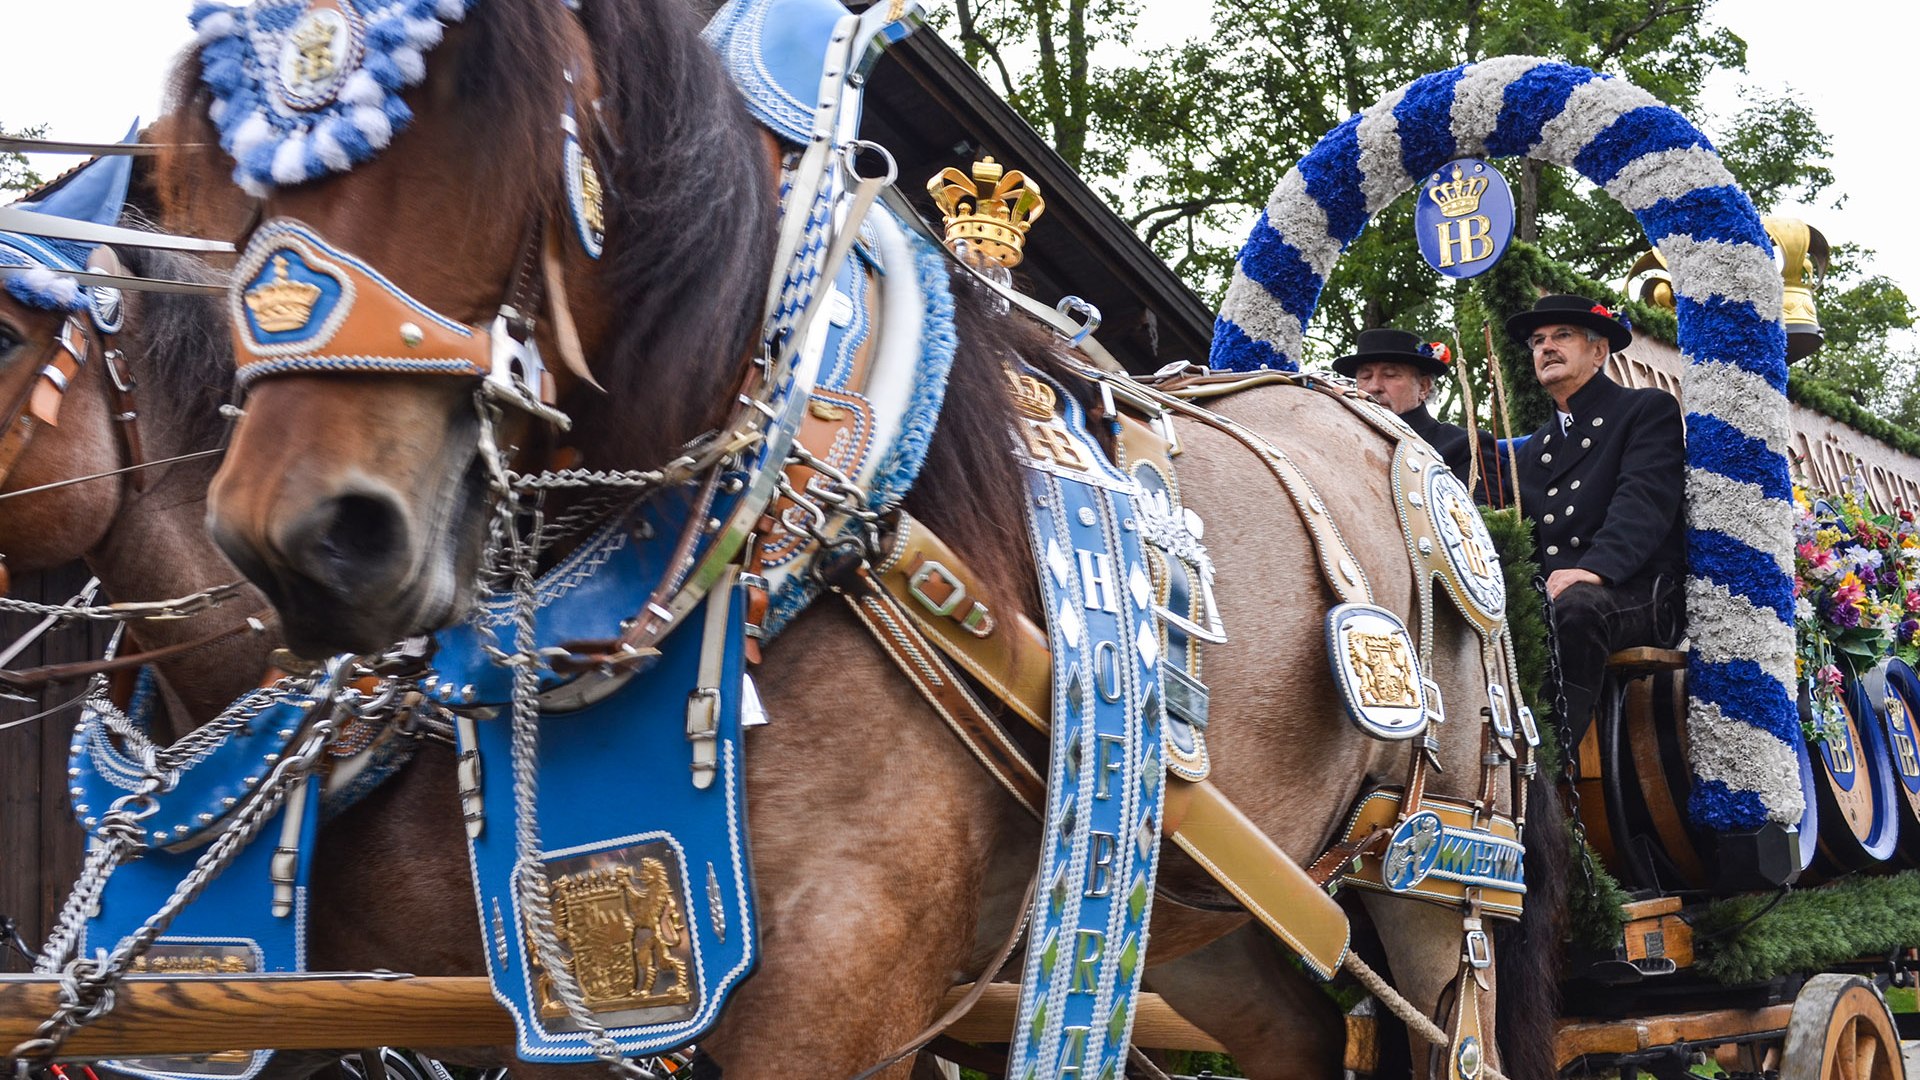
x: 1808, y: 930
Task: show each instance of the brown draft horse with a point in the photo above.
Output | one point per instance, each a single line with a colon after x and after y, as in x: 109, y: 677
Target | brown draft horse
x: 887, y: 863
x: 152, y: 544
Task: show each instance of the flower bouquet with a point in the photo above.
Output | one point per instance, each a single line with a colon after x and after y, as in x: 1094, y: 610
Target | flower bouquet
x: 1856, y: 590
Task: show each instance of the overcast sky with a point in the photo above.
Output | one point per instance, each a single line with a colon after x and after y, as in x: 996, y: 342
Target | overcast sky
x: 1851, y: 61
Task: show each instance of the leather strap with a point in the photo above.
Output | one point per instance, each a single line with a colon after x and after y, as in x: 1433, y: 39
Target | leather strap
x: 36, y: 677
x: 1337, y: 564
x: 990, y: 638
x: 1203, y: 822
x: 963, y: 712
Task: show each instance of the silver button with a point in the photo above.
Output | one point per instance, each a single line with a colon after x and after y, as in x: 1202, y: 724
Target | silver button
x: 1569, y: 509
x: 1575, y: 541
x: 1553, y: 549
x: 1551, y: 492
x: 1544, y: 458
x: 1545, y: 439
x: 1576, y: 485
x: 1584, y: 443
x: 1596, y: 421
x: 1549, y: 519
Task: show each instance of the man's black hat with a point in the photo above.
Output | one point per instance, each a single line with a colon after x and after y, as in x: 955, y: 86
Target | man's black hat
x: 1398, y: 346
x: 1565, y: 310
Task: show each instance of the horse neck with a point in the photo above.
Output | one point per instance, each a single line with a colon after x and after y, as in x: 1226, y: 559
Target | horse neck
x: 157, y: 548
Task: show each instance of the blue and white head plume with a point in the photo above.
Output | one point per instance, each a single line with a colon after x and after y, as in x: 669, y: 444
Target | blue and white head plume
x: 1745, y: 733
x: 303, y: 88
x: 96, y: 192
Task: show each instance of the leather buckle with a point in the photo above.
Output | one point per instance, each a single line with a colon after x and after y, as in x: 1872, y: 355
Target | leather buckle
x: 1479, y: 950
x: 977, y: 620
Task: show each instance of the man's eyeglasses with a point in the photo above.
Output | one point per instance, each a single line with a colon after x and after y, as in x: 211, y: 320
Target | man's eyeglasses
x: 1562, y: 337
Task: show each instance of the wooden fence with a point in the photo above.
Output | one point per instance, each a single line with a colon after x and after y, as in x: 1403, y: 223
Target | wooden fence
x: 40, y: 845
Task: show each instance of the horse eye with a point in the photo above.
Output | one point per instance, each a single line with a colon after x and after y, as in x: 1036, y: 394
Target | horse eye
x: 9, y: 340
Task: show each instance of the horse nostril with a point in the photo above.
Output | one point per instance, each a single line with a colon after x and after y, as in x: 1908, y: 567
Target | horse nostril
x: 365, y: 531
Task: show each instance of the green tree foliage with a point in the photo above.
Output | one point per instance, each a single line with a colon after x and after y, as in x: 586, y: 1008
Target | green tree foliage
x: 16, y: 175
x: 1187, y: 140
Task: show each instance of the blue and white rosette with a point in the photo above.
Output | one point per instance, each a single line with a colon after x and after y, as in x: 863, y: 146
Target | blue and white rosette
x: 1739, y: 594
x: 285, y: 122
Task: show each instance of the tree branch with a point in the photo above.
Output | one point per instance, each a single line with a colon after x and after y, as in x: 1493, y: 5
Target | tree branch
x: 977, y: 45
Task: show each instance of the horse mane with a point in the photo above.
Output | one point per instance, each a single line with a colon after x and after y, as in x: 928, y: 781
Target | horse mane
x: 179, y: 345
x: 691, y: 223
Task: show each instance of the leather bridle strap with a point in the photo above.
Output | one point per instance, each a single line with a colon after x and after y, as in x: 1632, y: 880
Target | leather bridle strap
x: 36, y: 677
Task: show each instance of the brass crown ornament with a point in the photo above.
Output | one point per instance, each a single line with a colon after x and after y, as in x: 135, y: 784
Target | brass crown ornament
x: 282, y: 304
x: 990, y: 211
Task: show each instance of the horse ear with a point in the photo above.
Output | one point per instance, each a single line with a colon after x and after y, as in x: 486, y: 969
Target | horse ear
x: 566, y: 336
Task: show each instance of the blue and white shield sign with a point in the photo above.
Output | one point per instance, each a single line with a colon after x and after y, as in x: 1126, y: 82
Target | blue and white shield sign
x: 1464, y: 218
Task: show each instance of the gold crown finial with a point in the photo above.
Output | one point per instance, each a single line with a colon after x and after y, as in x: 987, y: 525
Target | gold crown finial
x: 990, y: 211
x: 1803, y: 257
x: 1458, y: 197
x: 282, y: 304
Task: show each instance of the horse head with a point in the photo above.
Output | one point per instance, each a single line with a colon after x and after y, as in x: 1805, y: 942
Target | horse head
x: 427, y: 277
x: 71, y: 428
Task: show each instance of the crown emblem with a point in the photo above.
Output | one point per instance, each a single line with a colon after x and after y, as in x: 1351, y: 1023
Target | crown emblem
x: 1458, y: 197
x: 991, y: 210
x: 282, y: 304
x: 312, y: 59
x: 1032, y: 398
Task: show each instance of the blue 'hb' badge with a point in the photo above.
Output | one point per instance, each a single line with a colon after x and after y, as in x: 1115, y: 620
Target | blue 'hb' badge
x: 1464, y: 218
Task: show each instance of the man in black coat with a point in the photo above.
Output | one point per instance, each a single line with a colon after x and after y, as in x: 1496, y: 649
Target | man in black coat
x: 1399, y: 370
x: 1604, y: 482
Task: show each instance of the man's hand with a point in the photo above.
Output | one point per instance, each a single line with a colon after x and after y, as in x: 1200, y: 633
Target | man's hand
x: 1561, y: 580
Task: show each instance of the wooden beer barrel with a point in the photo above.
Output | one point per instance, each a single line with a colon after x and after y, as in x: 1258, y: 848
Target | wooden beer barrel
x: 1854, y: 784
x: 1634, y: 777
x: 1892, y: 691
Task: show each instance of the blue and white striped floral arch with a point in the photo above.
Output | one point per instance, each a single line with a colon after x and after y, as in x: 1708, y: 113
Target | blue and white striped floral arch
x: 1739, y: 594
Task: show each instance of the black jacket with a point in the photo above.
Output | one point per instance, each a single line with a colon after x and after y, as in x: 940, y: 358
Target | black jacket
x: 1606, y: 495
x: 1451, y: 441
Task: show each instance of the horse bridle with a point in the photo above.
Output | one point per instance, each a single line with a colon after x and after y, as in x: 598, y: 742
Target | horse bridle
x: 81, y: 338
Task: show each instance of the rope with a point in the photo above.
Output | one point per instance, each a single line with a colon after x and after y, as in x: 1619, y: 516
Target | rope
x: 1417, y: 1022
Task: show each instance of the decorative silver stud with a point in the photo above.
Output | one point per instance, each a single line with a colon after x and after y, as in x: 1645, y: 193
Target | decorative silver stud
x: 204, y: 819
x: 1086, y: 515
x: 1426, y: 546
x: 412, y: 335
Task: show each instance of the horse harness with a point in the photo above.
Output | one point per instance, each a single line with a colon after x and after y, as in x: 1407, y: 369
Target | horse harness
x: 303, y: 306
x: 79, y: 340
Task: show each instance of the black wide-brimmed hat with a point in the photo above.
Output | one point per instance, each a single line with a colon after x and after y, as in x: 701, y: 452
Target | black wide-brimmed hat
x: 1398, y: 346
x: 1564, y: 310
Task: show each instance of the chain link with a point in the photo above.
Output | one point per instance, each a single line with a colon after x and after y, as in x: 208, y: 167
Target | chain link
x: 1563, y: 725
x: 176, y: 608
x: 531, y: 887
x: 87, y: 983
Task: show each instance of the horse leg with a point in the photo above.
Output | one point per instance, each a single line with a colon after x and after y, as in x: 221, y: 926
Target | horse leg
x: 1248, y: 995
x: 872, y: 831
x: 1423, y: 943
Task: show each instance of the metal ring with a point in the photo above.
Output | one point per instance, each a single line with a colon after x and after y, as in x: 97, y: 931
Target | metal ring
x: 1070, y: 305
x: 850, y: 161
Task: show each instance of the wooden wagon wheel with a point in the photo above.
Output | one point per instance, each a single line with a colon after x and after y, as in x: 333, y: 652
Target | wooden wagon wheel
x: 1841, y: 1029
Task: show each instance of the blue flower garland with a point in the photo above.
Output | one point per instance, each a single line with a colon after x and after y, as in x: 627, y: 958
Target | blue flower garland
x: 1745, y: 734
